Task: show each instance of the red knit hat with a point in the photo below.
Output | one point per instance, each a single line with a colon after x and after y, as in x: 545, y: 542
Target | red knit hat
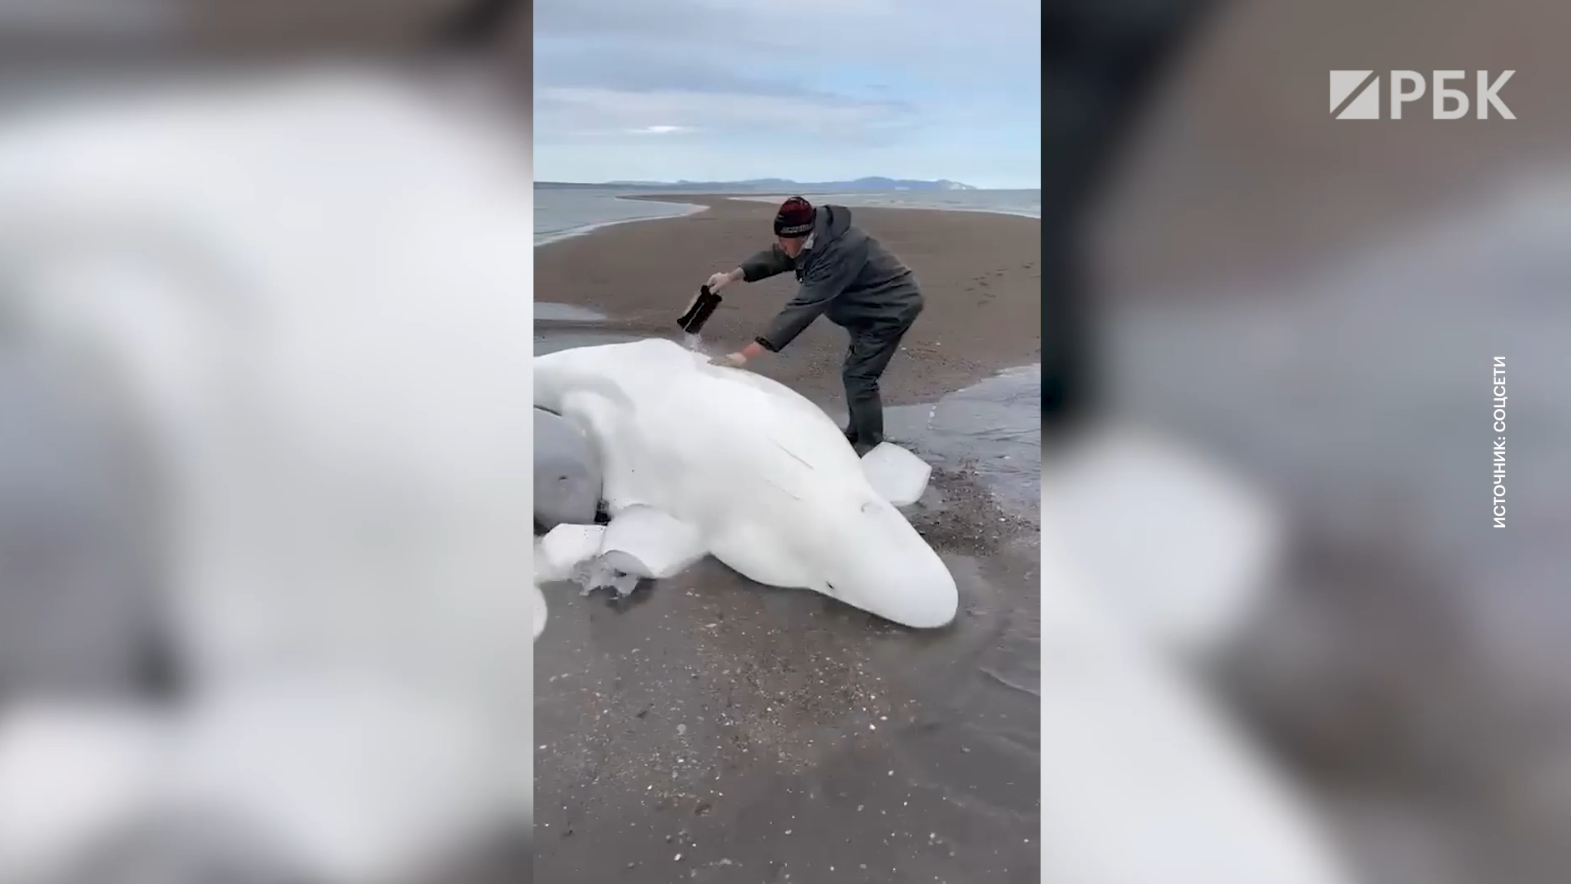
x: 795, y: 218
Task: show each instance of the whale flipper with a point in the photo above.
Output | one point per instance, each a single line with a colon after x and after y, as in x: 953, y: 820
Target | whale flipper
x: 646, y: 542
x: 898, y: 476
x: 563, y: 548
x: 640, y: 543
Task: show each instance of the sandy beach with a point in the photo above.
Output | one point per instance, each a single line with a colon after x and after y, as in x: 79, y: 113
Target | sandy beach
x: 980, y: 273
x: 709, y: 729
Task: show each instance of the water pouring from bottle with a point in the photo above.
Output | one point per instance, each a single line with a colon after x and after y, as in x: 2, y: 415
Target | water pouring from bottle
x: 693, y: 318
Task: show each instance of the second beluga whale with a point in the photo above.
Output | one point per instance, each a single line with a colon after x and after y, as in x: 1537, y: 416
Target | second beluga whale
x: 702, y: 460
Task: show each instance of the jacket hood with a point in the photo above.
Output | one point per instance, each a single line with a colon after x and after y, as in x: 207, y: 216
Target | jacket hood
x: 831, y: 223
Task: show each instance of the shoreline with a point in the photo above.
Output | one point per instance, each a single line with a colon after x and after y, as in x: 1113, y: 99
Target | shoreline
x: 831, y: 197
x: 980, y: 273
x: 573, y: 232
x: 694, y: 207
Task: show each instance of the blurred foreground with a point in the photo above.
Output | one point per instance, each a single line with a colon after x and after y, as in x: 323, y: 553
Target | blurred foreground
x: 1319, y: 306
x: 264, y: 481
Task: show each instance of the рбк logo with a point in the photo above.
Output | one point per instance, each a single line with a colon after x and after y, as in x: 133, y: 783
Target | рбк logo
x: 1355, y: 95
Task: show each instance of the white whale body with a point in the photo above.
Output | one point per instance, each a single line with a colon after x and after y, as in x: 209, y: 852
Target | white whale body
x: 340, y: 497
x: 700, y: 459
x: 567, y: 480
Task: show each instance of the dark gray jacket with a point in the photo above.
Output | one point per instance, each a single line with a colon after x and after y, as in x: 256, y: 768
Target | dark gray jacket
x: 846, y: 275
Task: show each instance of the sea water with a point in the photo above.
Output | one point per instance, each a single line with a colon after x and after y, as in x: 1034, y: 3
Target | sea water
x: 560, y: 214
x: 1026, y: 203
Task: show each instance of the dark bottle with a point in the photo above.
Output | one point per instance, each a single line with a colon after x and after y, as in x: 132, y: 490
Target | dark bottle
x: 699, y: 311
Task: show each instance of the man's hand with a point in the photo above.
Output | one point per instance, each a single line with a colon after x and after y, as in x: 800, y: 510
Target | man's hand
x: 720, y: 280
x: 740, y: 357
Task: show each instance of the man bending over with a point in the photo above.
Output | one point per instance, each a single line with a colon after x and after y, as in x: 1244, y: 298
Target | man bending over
x: 848, y: 277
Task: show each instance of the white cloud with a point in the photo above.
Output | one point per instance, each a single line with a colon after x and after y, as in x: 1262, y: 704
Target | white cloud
x: 592, y: 109
x: 825, y: 88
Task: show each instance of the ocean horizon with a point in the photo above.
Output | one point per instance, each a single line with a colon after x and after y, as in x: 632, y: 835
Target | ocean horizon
x: 564, y: 213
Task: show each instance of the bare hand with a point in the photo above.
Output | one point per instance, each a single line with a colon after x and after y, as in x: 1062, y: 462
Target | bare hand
x: 719, y: 281
x: 730, y: 360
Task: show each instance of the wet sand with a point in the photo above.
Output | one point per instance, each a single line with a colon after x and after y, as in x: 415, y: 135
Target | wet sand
x: 710, y: 729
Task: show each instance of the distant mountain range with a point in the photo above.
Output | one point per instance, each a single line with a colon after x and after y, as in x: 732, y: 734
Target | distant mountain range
x: 768, y: 185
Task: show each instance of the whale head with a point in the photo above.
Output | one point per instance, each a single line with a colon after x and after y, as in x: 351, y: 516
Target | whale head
x: 868, y: 555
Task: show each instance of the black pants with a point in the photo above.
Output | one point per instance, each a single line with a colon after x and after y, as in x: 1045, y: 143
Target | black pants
x: 872, y: 346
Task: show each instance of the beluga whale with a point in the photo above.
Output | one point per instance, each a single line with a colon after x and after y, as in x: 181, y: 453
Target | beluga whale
x: 698, y: 459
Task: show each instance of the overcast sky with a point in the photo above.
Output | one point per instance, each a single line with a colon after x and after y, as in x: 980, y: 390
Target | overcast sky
x: 812, y: 90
